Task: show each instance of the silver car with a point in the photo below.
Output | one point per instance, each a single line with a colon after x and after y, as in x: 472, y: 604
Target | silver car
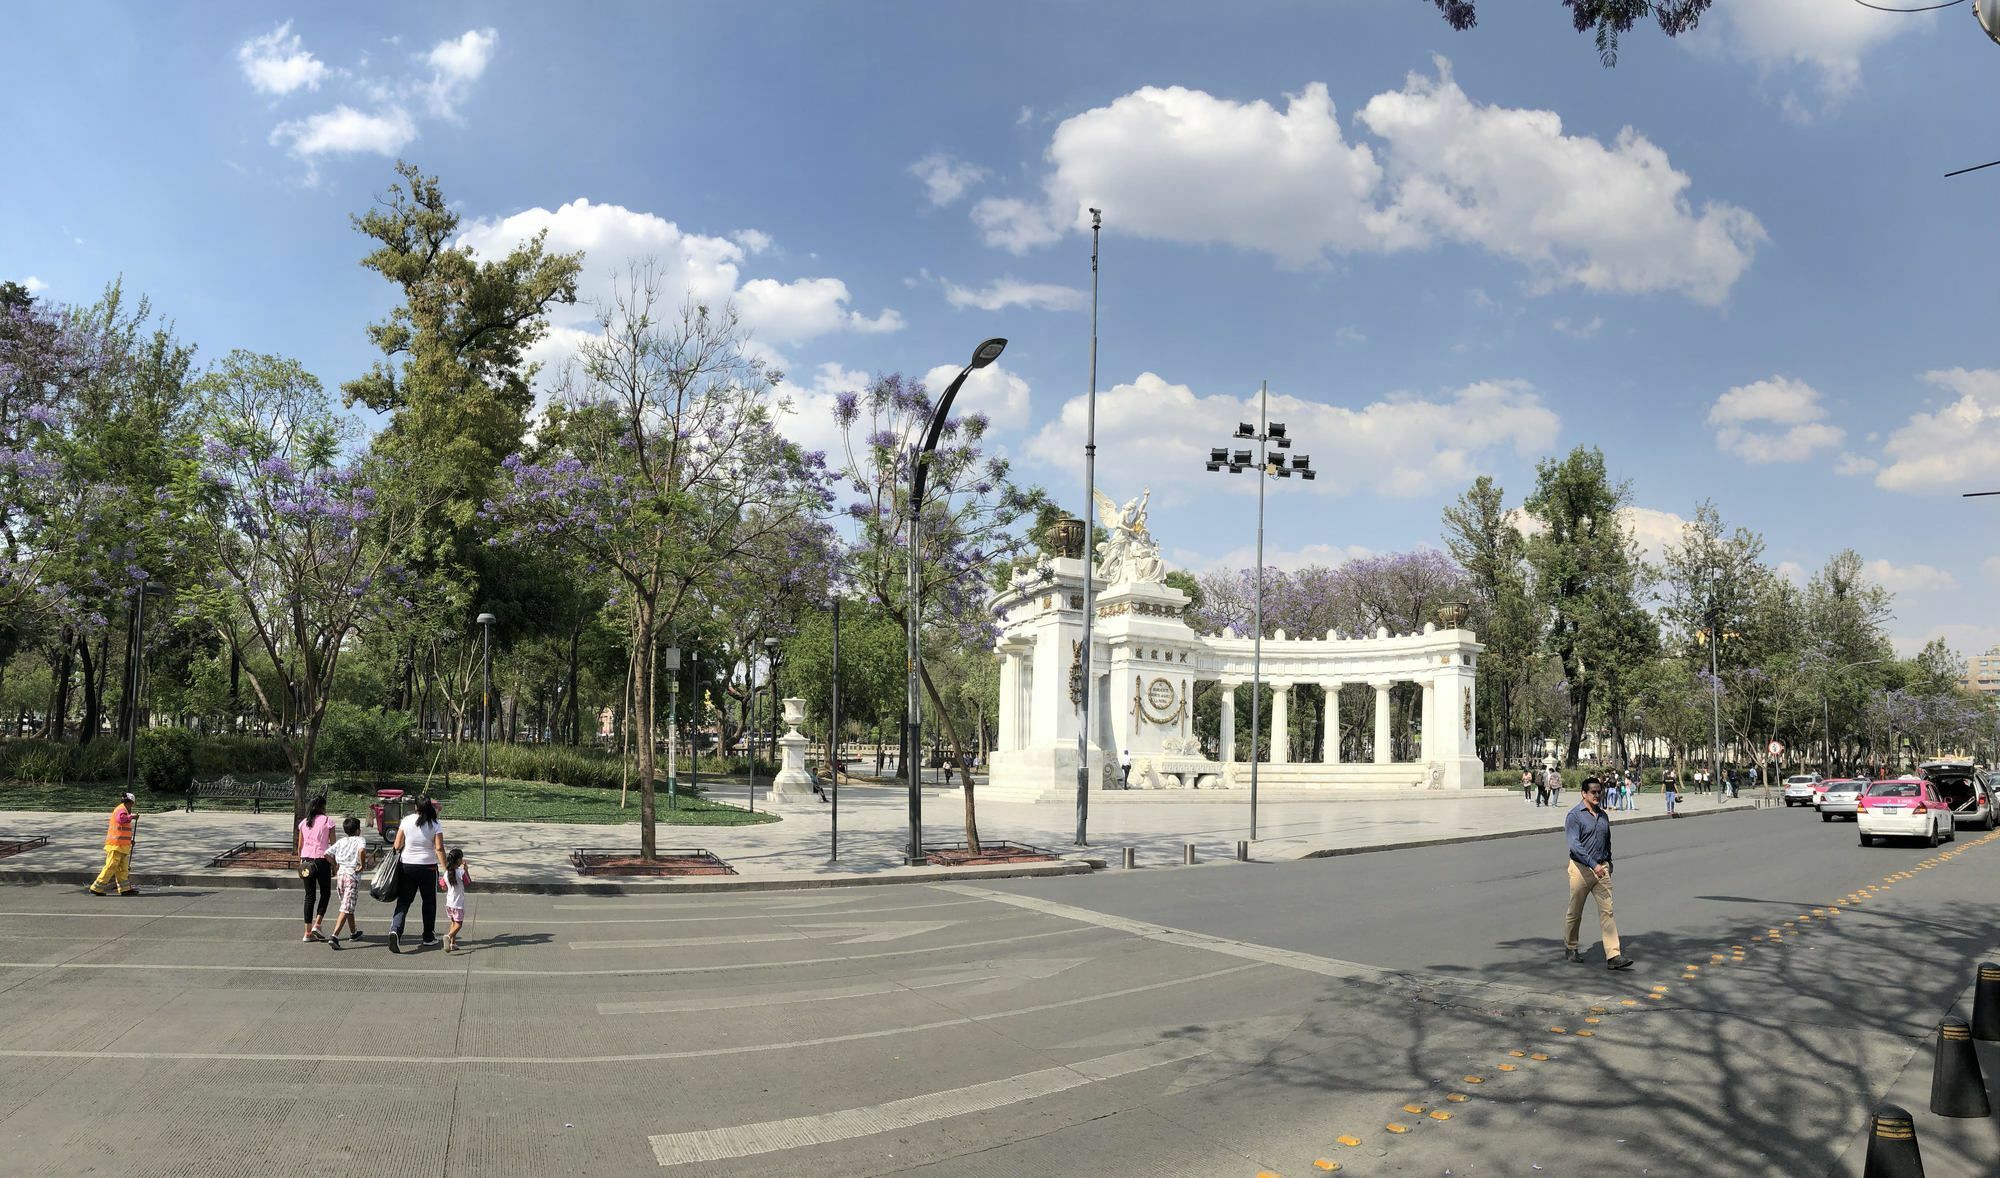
x: 1840, y: 797
x: 1802, y: 789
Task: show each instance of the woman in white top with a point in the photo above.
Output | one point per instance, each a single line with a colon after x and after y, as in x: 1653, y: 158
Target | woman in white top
x: 420, y: 847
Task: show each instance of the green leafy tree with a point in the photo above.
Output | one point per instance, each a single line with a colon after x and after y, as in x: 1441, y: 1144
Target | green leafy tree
x: 1608, y: 19
x: 1586, y: 575
x: 1483, y: 537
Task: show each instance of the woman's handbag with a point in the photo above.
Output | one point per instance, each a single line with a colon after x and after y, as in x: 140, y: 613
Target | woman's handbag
x: 383, y: 886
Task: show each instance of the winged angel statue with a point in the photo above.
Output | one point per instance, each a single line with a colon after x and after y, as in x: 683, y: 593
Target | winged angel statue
x: 1130, y: 554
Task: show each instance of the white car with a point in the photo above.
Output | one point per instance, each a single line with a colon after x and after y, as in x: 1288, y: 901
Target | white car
x: 1839, y: 797
x: 1802, y: 789
x: 1904, y: 808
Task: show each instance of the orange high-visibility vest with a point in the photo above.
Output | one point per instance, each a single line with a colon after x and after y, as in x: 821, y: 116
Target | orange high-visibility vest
x: 118, y: 836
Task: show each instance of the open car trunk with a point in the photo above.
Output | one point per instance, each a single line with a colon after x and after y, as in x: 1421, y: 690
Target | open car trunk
x: 1958, y: 785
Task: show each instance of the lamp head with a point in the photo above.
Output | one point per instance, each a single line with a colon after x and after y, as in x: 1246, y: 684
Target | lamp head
x: 1240, y: 458
x: 486, y: 619
x: 1243, y: 430
x: 1276, y: 429
x: 1218, y: 454
x: 988, y: 352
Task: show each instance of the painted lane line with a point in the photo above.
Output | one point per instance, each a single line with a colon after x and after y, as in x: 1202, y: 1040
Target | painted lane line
x: 708, y: 1145
x: 467, y: 971
x: 644, y: 1057
x: 566, y: 922
x: 992, y: 978
x: 1250, y: 951
x: 791, y: 906
x: 847, y: 933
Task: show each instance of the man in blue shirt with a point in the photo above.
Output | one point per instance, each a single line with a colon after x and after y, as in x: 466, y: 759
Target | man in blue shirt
x: 1587, y: 830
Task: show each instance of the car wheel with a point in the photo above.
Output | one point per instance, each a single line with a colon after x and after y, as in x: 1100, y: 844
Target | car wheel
x: 1826, y: 818
x: 1951, y: 831
x: 1866, y: 841
x: 1935, y: 838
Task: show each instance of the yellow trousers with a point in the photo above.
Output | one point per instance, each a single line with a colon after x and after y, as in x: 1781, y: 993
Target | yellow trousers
x: 117, y: 869
x: 1581, y: 884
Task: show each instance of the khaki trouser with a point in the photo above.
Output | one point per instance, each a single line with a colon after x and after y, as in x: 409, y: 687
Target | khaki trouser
x: 117, y: 869
x: 1585, y: 883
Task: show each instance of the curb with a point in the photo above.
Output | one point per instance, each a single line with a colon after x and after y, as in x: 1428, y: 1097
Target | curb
x: 1331, y: 852
x: 274, y: 881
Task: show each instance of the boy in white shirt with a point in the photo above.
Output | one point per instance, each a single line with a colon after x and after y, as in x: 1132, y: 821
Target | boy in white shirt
x: 346, y: 852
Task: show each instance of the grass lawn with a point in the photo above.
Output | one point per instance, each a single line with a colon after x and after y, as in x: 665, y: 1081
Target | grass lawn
x: 507, y: 800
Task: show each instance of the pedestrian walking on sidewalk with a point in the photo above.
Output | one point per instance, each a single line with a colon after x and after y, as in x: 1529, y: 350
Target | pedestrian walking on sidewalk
x: 1555, y: 787
x: 1528, y: 786
x: 119, y: 839
x: 1669, y: 795
x: 420, y: 845
x: 347, y: 856
x: 312, y: 842
x: 1587, y: 830
x: 456, y: 876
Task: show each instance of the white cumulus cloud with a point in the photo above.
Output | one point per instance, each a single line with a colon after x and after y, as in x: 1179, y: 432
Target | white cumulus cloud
x: 1825, y: 40
x: 1404, y: 445
x: 346, y: 131
x: 34, y: 285
x: 279, y: 63
x: 1948, y: 449
x: 455, y: 65
x: 688, y: 266
x: 1908, y: 578
x: 1774, y: 420
x: 1184, y: 165
x: 994, y: 391
x: 946, y: 179
x: 1012, y: 292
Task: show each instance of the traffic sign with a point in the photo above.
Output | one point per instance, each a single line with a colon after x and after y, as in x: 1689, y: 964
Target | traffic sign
x: 1776, y: 748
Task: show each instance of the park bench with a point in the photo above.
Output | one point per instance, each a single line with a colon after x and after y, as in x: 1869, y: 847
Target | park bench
x: 226, y: 788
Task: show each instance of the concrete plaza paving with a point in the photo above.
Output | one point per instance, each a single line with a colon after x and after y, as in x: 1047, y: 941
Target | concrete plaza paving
x: 177, y: 846
x: 1227, y: 1021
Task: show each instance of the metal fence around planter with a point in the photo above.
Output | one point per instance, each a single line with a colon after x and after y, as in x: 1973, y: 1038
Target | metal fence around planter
x: 996, y: 852
x: 666, y: 861
x: 14, y: 846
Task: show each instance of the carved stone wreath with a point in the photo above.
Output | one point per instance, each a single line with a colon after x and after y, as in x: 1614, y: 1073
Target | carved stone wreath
x: 1155, y: 702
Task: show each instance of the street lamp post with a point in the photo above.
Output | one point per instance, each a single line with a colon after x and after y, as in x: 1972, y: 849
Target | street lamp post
x: 1267, y: 434
x: 771, y: 660
x: 1089, y: 545
x: 670, y: 662
x: 986, y: 353
x: 833, y: 773
x: 485, y: 699
x: 135, y: 680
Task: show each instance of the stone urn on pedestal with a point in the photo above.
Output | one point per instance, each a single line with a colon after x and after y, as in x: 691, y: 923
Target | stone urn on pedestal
x: 793, y: 783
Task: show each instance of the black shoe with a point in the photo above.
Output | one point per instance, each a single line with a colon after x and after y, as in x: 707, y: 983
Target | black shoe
x: 1619, y: 962
x: 395, y: 941
x: 1572, y: 955
x: 333, y: 942
x: 428, y: 943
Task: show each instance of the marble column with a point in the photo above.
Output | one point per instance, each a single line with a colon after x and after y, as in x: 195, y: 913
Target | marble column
x: 1228, y: 720
x: 1010, y: 697
x: 1281, y: 724
x: 1429, y: 735
x: 1332, y: 736
x: 1382, y: 748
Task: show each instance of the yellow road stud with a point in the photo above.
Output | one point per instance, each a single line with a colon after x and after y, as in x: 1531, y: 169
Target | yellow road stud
x: 1348, y: 1139
x: 1538, y: 1057
x: 1474, y: 1079
x: 1323, y: 1164
x: 1440, y: 1115
x: 1393, y: 1127
x: 1413, y: 1107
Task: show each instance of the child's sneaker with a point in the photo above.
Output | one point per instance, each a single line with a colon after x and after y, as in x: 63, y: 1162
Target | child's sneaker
x: 333, y: 942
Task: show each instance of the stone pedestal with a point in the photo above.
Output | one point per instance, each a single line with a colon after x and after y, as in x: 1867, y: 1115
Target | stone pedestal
x: 793, y: 783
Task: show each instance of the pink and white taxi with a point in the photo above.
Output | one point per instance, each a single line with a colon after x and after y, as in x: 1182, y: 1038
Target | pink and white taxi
x: 1903, y: 807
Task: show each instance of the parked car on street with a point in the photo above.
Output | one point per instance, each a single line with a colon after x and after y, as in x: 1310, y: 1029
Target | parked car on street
x: 1802, y: 789
x: 1839, y: 798
x: 1906, y: 807
x: 1967, y: 791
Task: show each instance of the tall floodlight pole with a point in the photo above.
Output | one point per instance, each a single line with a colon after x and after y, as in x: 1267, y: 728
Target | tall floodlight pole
x: 1714, y: 686
x: 833, y: 783
x: 1089, y: 553
x: 1267, y: 434
x: 913, y: 718
x: 485, y: 699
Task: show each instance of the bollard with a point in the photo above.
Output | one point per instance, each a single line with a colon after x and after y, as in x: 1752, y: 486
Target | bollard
x: 1986, y: 1004
x: 1892, y: 1146
x: 1131, y: 858
x: 1957, y: 1088
x: 1187, y: 854
x: 1242, y: 851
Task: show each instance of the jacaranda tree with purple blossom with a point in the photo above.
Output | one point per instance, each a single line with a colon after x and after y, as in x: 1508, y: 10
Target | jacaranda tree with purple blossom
x: 658, y: 463
x: 972, y: 518
x: 297, y: 551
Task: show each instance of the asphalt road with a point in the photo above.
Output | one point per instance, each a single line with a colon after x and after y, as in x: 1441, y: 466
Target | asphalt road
x: 1219, y: 1020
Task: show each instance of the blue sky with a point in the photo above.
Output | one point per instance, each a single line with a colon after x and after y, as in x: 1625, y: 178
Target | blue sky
x: 1732, y: 262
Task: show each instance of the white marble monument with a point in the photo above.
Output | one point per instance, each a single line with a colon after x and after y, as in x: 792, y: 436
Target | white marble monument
x: 1147, y: 665
x: 793, y: 783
